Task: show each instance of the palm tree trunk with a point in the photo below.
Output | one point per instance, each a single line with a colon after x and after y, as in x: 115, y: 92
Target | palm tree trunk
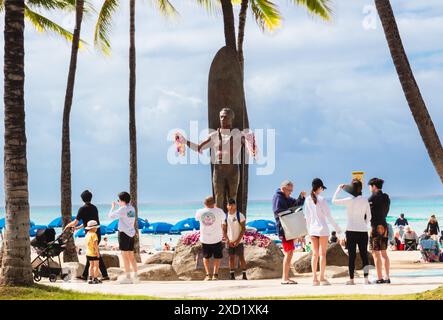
x: 228, y: 22
x: 244, y: 177
x: 70, y: 254
x: 241, y: 31
x: 410, y: 86
x: 132, y: 127
x: 16, y: 261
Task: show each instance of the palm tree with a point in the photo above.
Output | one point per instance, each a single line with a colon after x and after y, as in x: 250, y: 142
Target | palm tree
x: 65, y: 180
x: 101, y: 39
x: 16, y: 262
x: 410, y: 86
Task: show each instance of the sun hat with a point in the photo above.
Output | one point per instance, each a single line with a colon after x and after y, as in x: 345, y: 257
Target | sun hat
x: 92, y: 224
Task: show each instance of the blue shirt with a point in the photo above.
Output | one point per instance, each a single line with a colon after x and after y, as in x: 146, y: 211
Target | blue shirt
x: 280, y: 203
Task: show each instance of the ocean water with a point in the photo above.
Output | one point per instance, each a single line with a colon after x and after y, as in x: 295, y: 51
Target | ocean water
x: 416, y: 210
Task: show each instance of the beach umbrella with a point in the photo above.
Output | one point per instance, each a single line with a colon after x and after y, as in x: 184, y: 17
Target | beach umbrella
x: 263, y: 225
x: 141, y: 224
x: 158, y: 228
x: 185, y: 225
x: 33, y: 229
x: 82, y: 232
x: 58, y: 222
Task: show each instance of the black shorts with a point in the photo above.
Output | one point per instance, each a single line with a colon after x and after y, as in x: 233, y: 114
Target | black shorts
x: 213, y: 250
x: 125, y: 242
x: 378, y: 241
x: 237, y: 251
x: 90, y: 258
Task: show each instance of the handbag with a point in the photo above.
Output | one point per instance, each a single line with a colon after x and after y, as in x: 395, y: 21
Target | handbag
x: 293, y: 223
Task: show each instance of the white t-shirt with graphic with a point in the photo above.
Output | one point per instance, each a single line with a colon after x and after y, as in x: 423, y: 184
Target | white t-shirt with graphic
x: 234, y: 226
x: 211, y: 220
x: 126, y: 219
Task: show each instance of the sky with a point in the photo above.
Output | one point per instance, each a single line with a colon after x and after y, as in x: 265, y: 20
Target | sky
x: 328, y: 89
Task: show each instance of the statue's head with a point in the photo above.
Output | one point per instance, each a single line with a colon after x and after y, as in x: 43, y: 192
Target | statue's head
x: 226, y: 118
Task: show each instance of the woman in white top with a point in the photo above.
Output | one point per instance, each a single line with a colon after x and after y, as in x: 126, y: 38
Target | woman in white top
x: 317, y: 215
x: 359, y: 215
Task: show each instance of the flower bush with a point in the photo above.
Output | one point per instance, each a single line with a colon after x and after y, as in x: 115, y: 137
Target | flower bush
x: 249, y: 239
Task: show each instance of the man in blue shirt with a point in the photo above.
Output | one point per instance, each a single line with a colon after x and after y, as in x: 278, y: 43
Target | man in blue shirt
x: 282, y: 201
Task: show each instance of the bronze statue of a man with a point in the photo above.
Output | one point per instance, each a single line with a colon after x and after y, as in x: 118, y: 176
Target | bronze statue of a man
x: 226, y: 144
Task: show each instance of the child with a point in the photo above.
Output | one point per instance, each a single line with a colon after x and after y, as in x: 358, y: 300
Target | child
x: 92, y: 253
x: 234, y: 229
x: 126, y: 233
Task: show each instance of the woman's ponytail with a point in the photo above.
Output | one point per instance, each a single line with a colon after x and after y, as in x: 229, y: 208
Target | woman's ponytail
x: 314, y: 196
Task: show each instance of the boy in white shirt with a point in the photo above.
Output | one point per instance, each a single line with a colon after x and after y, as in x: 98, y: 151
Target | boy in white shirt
x: 211, y: 235
x: 126, y: 233
x: 233, y: 230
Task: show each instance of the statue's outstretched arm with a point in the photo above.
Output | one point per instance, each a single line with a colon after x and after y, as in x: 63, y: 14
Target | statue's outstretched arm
x: 199, y: 147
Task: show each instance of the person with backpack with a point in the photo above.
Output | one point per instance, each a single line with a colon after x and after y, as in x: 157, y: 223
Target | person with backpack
x: 233, y: 230
x: 379, y: 234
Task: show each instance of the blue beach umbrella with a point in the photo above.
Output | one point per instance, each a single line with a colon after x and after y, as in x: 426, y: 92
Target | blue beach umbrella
x: 82, y: 232
x: 58, y: 222
x: 33, y: 230
x: 114, y: 224
x: 157, y: 228
x: 185, y: 225
x: 267, y: 226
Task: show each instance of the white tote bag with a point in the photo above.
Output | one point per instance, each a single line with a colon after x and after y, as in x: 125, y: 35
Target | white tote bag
x: 293, y: 223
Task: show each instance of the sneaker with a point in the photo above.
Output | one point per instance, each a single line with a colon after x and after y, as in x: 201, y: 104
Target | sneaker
x: 91, y: 281
x: 232, y: 276
x: 135, y: 279
x: 126, y: 280
x: 387, y: 281
x: 244, y: 276
x: 381, y: 281
x: 207, y: 278
x: 215, y: 277
x: 97, y: 281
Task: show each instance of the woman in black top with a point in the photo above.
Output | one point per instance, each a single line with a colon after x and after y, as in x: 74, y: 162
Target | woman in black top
x: 433, y: 228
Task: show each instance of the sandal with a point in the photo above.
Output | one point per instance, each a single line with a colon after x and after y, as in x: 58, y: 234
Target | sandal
x: 315, y: 283
x: 325, y: 283
x: 289, y: 282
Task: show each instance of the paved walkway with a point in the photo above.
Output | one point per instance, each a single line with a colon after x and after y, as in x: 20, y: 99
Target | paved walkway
x: 253, y: 288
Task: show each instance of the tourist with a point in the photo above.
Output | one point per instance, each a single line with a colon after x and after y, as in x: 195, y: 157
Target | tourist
x: 333, y: 238
x: 379, y: 234
x: 211, y: 235
x: 401, y: 221
x: 126, y: 234
x: 432, y: 227
x: 282, y: 201
x: 166, y: 247
x: 92, y: 253
x: 409, y: 234
x: 317, y: 215
x: 86, y: 213
x: 234, y: 228
x: 358, y: 215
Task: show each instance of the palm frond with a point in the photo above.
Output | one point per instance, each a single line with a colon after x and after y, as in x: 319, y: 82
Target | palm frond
x: 320, y: 8
x: 166, y: 8
x: 43, y: 24
x: 2, y: 5
x: 51, y: 4
x: 104, y: 25
x: 211, y: 6
x: 266, y: 14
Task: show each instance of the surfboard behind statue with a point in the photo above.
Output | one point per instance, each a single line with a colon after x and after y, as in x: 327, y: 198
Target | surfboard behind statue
x: 225, y: 89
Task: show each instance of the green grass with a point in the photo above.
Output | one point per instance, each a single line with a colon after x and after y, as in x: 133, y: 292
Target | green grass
x: 42, y: 292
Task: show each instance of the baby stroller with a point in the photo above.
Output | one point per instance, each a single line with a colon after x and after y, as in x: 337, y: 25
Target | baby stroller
x: 47, y: 248
x: 429, y: 250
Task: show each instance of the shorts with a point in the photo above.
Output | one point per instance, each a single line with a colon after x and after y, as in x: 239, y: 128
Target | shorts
x: 90, y: 258
x: 379, y: 238
x: 237, y: 251
x: 213, y: 250
x: 125, y: 242
x: 288, y: 245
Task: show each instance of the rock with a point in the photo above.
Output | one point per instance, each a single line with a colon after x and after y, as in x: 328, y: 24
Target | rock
x: 114, y: 273
x: 335, y: 256
x: 111, y: 260
x: 164, y: 257
x: 262, y: 263
x: 76, y: 268
x: 339, y: 272
x: 157, y: 272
